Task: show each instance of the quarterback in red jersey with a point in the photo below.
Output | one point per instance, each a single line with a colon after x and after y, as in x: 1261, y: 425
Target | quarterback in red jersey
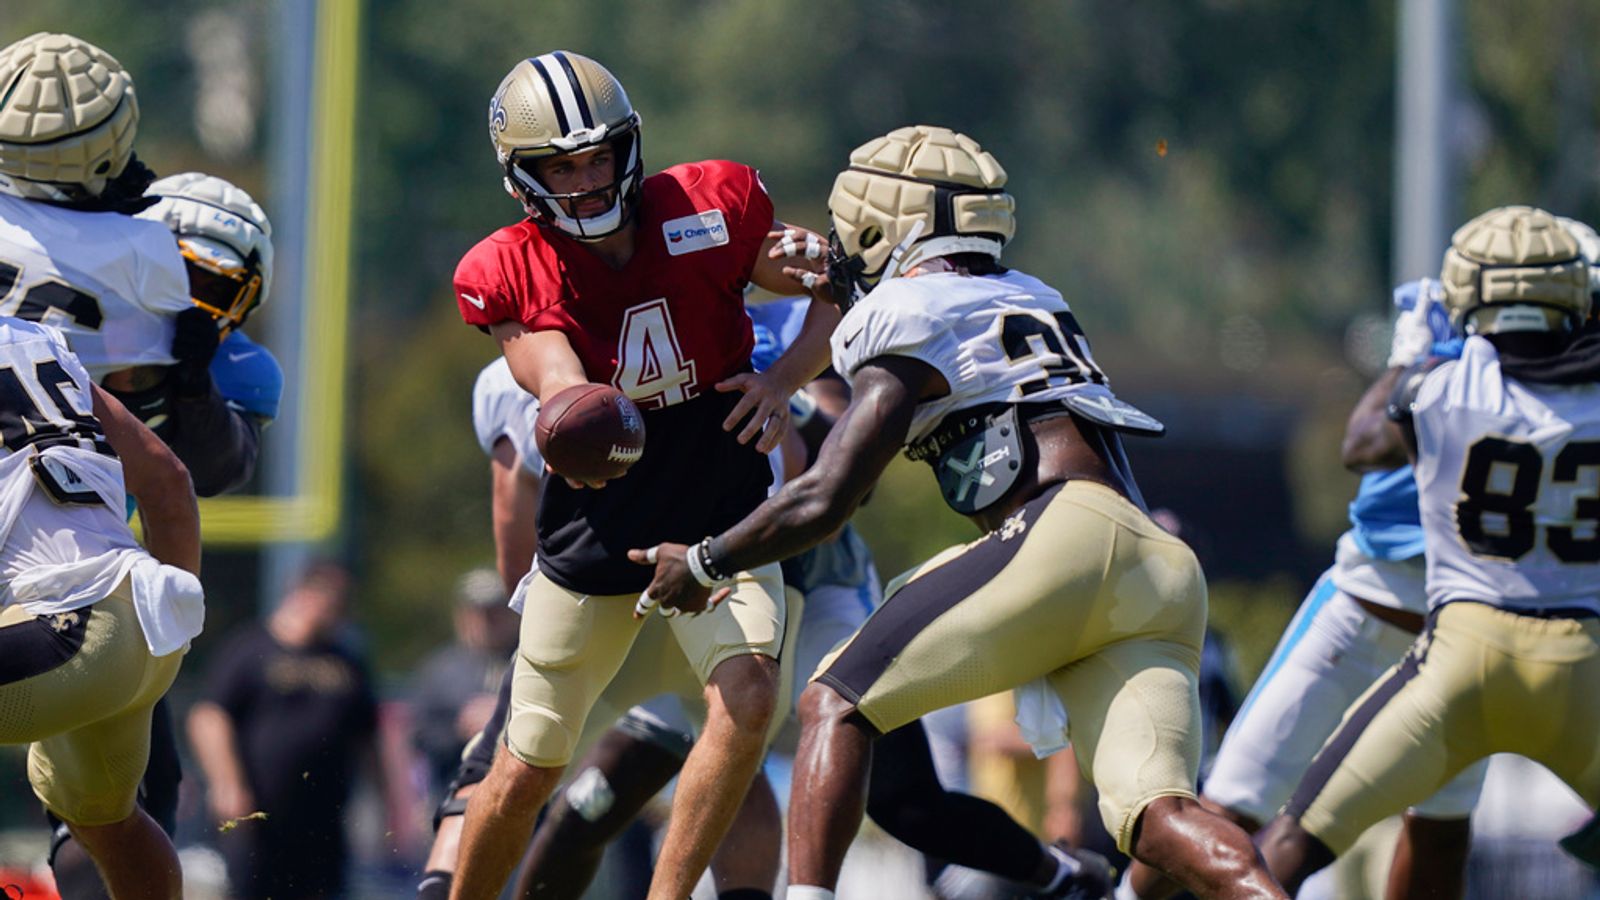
x: 635, y: 282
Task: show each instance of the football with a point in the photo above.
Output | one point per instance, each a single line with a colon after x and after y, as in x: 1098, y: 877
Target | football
x: 590, y: 433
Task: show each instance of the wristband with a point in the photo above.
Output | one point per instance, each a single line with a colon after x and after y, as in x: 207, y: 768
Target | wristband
x: 712, y: 569
x: 697, y: 566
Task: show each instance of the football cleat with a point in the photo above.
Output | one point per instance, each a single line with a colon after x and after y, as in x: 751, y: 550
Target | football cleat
x: 911, y: 195
x: 1515, y: 269
x: 558, y: 103
x: 68, y: 116
x: 225, y: 238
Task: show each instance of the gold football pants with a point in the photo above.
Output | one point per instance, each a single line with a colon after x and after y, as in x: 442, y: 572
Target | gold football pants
x: 1079, y: 586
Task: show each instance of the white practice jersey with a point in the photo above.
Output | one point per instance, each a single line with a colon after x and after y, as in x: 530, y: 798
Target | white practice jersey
x: 61, y: 489
x: 112, y: 283
x: 1509, y: 476
x: 501, y: 408
x: 64, y: 536
x: 996, y: 339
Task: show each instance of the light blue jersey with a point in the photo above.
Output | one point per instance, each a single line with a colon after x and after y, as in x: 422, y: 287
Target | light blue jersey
x: 844, y: 561
x: 1384, y: 521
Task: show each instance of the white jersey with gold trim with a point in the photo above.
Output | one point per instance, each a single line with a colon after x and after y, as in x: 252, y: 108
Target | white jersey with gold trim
x: 1509, y: 477
x: 64, y: 536
x: 501, y: 408
x: 61, y: 488
x: 112, y: 283
x: 1006, y: 338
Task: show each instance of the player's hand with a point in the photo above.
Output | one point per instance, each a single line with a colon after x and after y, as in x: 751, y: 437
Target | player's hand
x: 674, y: 589
x: 195, y: 338
x: 1417, y: 327
x: 573, y: 482
x: 1423, y: 322
x: 765, y: 402
x: 809, y: 251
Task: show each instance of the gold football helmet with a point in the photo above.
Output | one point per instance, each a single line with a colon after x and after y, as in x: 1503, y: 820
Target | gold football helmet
x: 558, y: 103
x: 68, y: 116
x: 909, y: 196
x: 225, y: 239
x: 1515, y: 268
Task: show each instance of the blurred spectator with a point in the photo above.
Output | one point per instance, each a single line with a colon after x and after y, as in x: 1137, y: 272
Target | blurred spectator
x: 286, y: 714
x: 456, y: 685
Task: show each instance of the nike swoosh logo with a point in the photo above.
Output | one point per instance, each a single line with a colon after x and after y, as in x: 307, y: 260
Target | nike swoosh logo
x: 851, y: 339
x: 235, y: 357
x: 475, y: 301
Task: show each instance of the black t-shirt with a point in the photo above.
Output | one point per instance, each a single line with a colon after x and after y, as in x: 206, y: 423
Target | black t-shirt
x: 301, y: 716
x: 694, y: 479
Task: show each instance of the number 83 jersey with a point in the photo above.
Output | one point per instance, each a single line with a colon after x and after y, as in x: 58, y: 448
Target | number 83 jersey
x: 1508, y: 472
x: 111, y: 283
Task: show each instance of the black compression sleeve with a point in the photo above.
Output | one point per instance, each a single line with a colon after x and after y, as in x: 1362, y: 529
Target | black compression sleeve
x: 905, y: 798
x: 216, y: 442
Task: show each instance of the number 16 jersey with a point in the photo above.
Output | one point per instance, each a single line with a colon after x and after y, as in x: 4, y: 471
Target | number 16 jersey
x: 1508, y: 473
x: 663, y: 329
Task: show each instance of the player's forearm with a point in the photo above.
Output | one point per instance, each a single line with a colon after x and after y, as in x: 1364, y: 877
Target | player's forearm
x: 800, y: 516
x: 156, y: 478
x: 514, y: 510
x: 808, y: 356
x: 219, y: 445
x: 818, y: 503
x: 1371, y: 441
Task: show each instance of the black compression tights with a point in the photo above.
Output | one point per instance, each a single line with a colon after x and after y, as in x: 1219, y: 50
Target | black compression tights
x: 905, y: 798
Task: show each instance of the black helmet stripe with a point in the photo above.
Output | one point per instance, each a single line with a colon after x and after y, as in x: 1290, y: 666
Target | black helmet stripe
x: 577, y: 90
x: 560, y: 102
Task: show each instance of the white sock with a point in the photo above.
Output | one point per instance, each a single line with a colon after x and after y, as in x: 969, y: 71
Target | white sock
x: 1066, y: 866
x: 1124, y: 889
x: 808, y: 892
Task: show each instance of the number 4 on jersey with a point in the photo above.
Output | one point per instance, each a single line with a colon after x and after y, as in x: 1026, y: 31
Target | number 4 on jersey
x: 651, y: 369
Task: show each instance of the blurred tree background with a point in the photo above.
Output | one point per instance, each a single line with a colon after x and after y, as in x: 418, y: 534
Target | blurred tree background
x: 1209, y: 183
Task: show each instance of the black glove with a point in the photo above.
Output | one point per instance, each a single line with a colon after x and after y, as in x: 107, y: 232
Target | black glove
x: 194, y: 344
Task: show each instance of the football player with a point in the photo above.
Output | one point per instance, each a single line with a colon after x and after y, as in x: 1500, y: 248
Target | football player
x: 93, y: 626
x: 1072, y: 593
x: 223, y: 393
x: 143, y: 319
x: 1505, y: 444
x: 1359, y: 619
x: 1584, y: 844
x: 630, y: 762
x: 904, y: 797
x: 637, y: 282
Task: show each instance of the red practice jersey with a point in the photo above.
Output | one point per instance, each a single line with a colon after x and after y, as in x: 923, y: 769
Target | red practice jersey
x: 664, y: 330
x: 670, y: 323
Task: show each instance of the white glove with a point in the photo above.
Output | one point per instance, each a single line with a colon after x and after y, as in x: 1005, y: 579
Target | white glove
x: 1415, y: 329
